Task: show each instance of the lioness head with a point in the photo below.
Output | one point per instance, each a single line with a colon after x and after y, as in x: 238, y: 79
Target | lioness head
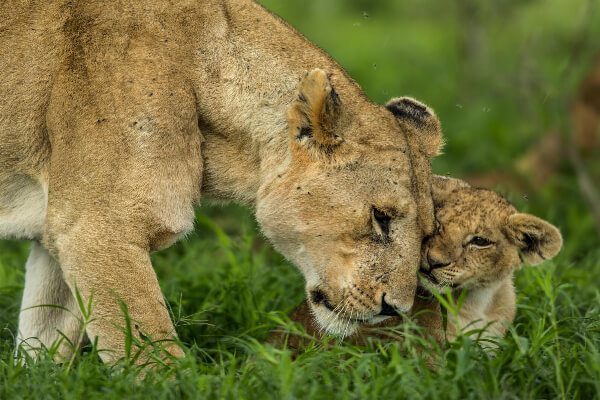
x: 481, y: 237
x: 352, y: 202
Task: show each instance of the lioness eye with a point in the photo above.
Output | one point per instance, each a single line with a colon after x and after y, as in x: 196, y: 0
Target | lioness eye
x: 383, y: 220
x: 479, y: 241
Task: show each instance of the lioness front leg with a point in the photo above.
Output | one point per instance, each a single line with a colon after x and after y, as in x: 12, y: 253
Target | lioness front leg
x: 125, y: 172
x: 49, y: 312
x: 102, y: 223
x: 126, y: 298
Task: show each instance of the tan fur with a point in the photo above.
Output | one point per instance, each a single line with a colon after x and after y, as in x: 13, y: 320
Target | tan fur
x: 116, y: 116
x: 450, y: 259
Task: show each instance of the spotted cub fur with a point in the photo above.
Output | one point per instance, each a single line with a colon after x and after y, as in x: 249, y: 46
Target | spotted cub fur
x: 481, y: 239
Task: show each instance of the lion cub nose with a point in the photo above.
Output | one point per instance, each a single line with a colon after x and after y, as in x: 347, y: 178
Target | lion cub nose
x: 436, y: 261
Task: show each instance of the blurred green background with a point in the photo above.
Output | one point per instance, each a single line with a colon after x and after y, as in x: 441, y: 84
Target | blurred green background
x: 502, y: 77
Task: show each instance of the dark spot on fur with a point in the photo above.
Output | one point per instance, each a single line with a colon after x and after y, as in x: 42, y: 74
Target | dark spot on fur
x: 334, y: 96
x: 298, y: 188
x: 352, y: 166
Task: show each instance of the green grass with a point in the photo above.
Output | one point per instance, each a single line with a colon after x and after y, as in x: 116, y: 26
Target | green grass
x: 228, y: 288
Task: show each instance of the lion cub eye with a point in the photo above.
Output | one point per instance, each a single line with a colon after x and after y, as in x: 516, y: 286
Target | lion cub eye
x: 479, y: 241
x: 383, y: 220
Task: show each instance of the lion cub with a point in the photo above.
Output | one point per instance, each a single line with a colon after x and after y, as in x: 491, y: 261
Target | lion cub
x: 481, y: 239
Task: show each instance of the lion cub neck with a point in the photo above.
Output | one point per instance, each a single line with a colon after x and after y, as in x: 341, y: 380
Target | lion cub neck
x: 487, y: 308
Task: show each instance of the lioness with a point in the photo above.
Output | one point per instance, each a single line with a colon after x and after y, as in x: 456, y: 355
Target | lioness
x: 115, y: 117
x: 480, y: 241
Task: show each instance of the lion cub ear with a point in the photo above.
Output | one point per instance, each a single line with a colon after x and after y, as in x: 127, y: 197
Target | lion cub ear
x: 537, y: 239
x: 424, y: 123
x: 316, y: 112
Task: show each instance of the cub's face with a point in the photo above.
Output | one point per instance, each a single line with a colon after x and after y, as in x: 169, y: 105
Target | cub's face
x: 351, y: 205
x: 480, y: 239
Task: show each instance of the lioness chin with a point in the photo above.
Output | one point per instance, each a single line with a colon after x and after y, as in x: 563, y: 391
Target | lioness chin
x: 480, y: 241
x: 116, y: 117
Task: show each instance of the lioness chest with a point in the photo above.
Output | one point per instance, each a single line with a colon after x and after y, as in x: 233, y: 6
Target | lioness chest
x: 22, y: 207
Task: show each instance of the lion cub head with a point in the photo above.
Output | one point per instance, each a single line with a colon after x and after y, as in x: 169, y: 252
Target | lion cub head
x: 481, y: 238
x: 351, y: 202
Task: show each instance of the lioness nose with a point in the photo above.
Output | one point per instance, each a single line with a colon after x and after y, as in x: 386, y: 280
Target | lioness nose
x: 387, y: 309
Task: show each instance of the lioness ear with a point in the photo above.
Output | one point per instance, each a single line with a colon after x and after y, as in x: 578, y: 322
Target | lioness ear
x: 442, y: 186
x: 425, y: 124
x: 315, y: 113
x: 537, y: 239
